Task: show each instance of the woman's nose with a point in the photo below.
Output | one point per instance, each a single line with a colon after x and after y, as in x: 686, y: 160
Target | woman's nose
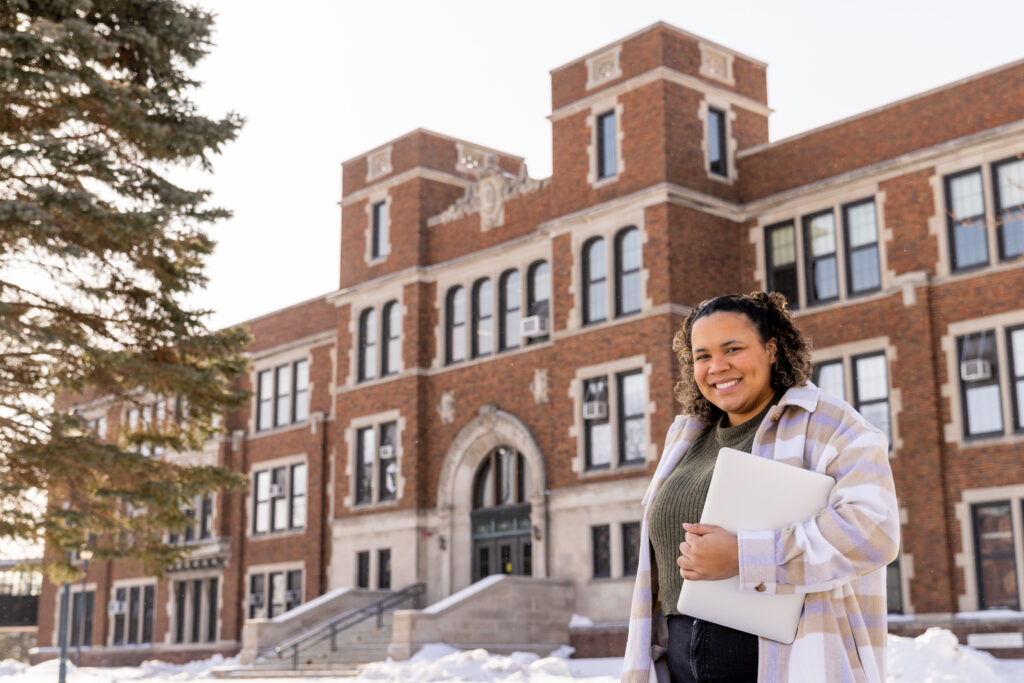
x: 718, y: 364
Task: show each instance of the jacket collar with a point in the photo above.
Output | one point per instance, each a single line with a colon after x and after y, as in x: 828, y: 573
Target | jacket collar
x: 805, y: 397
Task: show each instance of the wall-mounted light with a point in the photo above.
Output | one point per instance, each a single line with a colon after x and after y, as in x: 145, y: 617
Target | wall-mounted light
x: 536, y: 532
x: 443, y: 542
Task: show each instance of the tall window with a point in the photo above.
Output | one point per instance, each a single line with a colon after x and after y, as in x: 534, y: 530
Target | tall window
x: 483, y: 318
x: 363, y: 569
x: 391, y: 344
x: 822, y: 264
x: 595, y: 282
x: 600, y: 543
x: 83, y: 607
x: 979, y: 384
x: 606, y: 145
x: 893, y: 588
x: 376, y: 461
x: 282, y: 395
x: 829, y: 378
x: 862, y: 264
x: 379, y: 246
x: 508, y: 302
x: 279, y: 498
x: 871, y: 389
x: 632, y: 432
x: 965, y: 210
x: 994, y: 556
x: 384, y: 569
x: 195, y: 610
x: 200, y: 511
x: 628, y: 261
x: 781, y: 251
x: 1015, y: 346
x: 716, y: 142
x: 132, y: 609
x: 597, y: 428
x: 630, y: 548
x: 538, y: 296
x: 614, y: 419
x: 455, y: 332
x: 368, y: 344
x: 502, y: 479
x: 1008, y: 189
x: 274, y: 593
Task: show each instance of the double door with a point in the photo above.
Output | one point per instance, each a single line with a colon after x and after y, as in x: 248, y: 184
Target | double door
x: 501, y: 541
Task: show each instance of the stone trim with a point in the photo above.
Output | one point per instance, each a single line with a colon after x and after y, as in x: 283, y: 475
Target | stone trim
x: 417, y: 173
x: 716, y: 64
x: 604, y: 67
x: 378, y: 163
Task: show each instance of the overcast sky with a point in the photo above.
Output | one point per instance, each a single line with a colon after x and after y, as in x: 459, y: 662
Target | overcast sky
x: 321, y: 81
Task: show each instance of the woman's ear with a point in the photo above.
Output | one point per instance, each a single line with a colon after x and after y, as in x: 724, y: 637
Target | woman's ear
x: 771, y: 347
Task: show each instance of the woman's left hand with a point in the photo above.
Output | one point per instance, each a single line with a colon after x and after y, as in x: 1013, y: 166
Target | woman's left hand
x: 709, y: 553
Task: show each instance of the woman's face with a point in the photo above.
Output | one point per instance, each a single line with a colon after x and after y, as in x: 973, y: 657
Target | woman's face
x: 732, y: 367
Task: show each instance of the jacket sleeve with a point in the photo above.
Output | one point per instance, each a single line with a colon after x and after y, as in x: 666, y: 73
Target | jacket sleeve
x: 857, y: 533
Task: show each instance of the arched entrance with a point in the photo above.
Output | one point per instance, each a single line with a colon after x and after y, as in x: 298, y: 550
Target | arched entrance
x: 501, y: 539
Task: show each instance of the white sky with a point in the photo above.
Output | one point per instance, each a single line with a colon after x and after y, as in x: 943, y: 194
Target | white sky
x: 321, y: 81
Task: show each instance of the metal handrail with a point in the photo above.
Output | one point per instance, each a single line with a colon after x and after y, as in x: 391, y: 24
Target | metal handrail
x: 346, y: 621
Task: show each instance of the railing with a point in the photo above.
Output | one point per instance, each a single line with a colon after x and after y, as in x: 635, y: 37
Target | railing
x: 294, y: 647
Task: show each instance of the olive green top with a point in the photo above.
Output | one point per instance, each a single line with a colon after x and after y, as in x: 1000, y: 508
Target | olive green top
x: 681, y: 498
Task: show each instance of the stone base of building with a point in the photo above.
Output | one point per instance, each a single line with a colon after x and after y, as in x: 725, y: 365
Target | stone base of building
x: 132, y: 656
x: 16, y: 642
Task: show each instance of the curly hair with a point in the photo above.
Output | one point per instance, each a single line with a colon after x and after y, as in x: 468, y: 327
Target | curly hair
x: 768, y: 313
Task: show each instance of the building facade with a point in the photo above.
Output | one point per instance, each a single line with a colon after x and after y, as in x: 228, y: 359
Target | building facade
x: 487, y: 389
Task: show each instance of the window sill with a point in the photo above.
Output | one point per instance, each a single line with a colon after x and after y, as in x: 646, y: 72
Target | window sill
x: 630, y: 467
x: 967, y: 443
x: 271, y: 535
x: 603, y: 182
x: 378, y: 505
x: 279, y: 430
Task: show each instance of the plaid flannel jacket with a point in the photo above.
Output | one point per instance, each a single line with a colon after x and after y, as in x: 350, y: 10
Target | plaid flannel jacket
x: 838, y: 558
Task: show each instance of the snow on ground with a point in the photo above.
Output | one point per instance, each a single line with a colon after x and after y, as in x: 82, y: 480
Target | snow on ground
x: 934, y: 657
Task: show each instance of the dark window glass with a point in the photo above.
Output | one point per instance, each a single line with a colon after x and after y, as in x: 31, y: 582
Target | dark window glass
x: 388, y: 465
x: 82, y: 610
x: 1015, y: 349
x: 630, y: 548
x: 211, y: 616
x: 265, y: 410
x: 279, y: 498
x: 293, y: 594
x: 509, y: 295
x: 871, y: 390
x: 380, y: 230
x: 301, y: 393
x: 148, y: 603
x: 261, y: 500
x: 483, y: 560
x: 601, y: 548
x: 861, y: 230
x: 121, y: 596
x: 384, y: 569
x: 538, y: 295
x: 190, y: 530
x: 597, y: 428
x: 282, y: 409
x: 965, y: 210
x: 781, y: 251
x: 829, y: 378
x: 606, y: 152
x: 716, y: 142
x: 363, y: 569
x: 455, y: 336
x: 1008, y: 189
x: 501, y: 479
x: 297, y: 497
x: 391, y: 348
x: 979, y: 384
x: 257, y: 596
x: 632, y: 435
x: 893, y: 588
x: 278, y: 593
x: 133, y: 614
x: 367, y: 344
x: 364, y: 465
x: 994, y: 556
x: 822, y: 264
x: 595, y: 282
x: 197, y: 610
x: 628, y: 261
x: 180, y: 592
x: 483, y: 318
x: 206, y: 517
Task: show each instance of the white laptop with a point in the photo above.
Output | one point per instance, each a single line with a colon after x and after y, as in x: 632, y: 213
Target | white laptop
x: 754, y: 494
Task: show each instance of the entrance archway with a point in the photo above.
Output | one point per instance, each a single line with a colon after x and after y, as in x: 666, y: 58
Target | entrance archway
x: 501, y: 534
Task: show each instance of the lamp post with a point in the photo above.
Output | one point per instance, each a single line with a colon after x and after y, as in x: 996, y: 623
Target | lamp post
x: 65, y: 603
x: 86, y: 555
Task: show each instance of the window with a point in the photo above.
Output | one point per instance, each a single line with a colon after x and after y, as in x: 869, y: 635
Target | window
x: 502, y: 479
x: 829, y: 378
x: 893, y: 588
x: 384, y: 569
x: 994, y: 555
x: 979, y: 384
x: 508, y: 303
x: 600, y: 541
x: 626, y: 406
x: 377, y: 461
x: 869, y: 393
x: 627, y: 271
x: 201, y: 513
x: 781, y: 251
x: 148, y: 417
x: 282, y: 395
x: 630, y: 548
x: 368, y: 344
x: 716, y: 142
x: 1015, y: 346
x: 632, y: 438
x: 279, y: 499
x: 862, y: 265
x: 822, y: 264
x: 965, y: 211
x: 379, y: 245
x: 195, y: 610
x: 483, y: 318
x: 595, y: 287
x: 274, y: 593
x: 597, y: 428
x: 1008, y: 190
x: 391, y: 345
x: 363, y: 569
x: 455, y: 332
x: 538, y: 297
x: 83, y: 604
x: 98, y: 427
x: 606, y: 145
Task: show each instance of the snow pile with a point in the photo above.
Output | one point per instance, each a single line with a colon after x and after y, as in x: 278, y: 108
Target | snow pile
x: 578, y: 621
x: 9, y: 667
x: 935, y: 656
x: 437, y: 662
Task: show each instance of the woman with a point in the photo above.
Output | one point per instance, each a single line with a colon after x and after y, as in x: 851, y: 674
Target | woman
x: 745, y: 384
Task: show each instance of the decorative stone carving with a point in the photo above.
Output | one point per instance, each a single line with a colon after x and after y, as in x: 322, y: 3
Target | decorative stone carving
x: 487, y: 196
x: 539, y: 386
x: 446, y: 408
x: 472, y: 159
x: 716, y: 64
x: 604, y: 67
x: 378, y: 164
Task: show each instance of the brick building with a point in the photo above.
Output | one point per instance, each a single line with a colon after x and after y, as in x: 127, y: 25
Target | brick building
x: 487, y: 389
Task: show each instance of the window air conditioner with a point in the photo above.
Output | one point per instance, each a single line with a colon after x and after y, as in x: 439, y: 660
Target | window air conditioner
x: 595, y: 410
x: 276, y: 490
x: 116, y: 607
x: 256, y: 599
x: 534, y: 326
x: 975, y: 370
x: 293, y: 596
x: 387, y: 451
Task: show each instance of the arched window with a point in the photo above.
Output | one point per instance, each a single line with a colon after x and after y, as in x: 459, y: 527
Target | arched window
x: 508, y: 294
x: 367, y: 344
x: 502, y: 479
x: 538, y: 296
x: 455, y: 342
x: 595, y: 282
x: 483, y: 317
x: 628, y: 261
x: 390, y: 348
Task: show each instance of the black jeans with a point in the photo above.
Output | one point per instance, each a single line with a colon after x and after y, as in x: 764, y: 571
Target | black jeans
x: 702, y: 652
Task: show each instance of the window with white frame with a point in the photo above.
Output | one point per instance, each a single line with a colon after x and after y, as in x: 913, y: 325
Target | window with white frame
x: 482, y: 330
x: 379, y: 230
x: 274, y: 592
x: 509, y: 306
x: 391, y: 335
x: 81, y: 615
x: 152, y: 416
x: 628, y: 262
x: 972, y: 239
x: 624, y: 288
x: 604, y: 564
x: 607, y: 143
x: 868, y: 392
x: 980, y: 380
x: 282, y: 395
x: 196, y: 604
x: 595, y: 281
x: 200, y: 512
x: 995, y: 553
x: 538, y: 302
x: 376, y: 471
x: 832, y: 242
x: 717, y: 143
x: 279, y: 498
x: 455, y: 329
x: 379, y: 341
x: 132, y: 609
x: 614, y: 420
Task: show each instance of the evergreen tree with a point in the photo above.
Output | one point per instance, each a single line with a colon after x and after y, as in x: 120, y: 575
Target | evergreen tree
x: 99, y: 251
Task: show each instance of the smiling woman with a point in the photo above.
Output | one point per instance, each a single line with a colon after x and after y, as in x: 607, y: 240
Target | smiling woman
x: 744, y: 384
